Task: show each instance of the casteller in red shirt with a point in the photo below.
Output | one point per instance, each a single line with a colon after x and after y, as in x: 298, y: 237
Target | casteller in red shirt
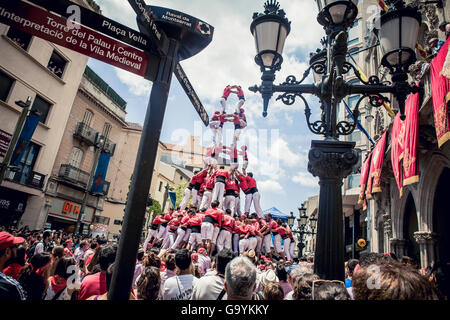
x: 228, y: 223
x: 13, y: 270
x: 215, y: 214
x: 92, y: 284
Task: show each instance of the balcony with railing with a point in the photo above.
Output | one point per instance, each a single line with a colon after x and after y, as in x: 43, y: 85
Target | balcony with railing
x: 108, y: 146
x: 27, y: 178
x: 86, y: 133
x: 74, y: 175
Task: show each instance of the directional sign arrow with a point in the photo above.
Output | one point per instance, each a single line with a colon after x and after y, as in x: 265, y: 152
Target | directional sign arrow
x: 147, y: 25
x: 192, y: 95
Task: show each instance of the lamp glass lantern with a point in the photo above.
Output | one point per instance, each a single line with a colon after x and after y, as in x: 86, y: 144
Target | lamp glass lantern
x: 270, y: 31
x: 398, y: 36
x: 291, y: 220
x: 318, y: 61
x: 303, y: 217
x: 313, y: 222
x: 337, y: 12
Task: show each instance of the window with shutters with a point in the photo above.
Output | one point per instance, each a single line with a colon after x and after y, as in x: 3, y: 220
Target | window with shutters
x: 88, y: 114
x: 76, y: 157
x: 106, y: 130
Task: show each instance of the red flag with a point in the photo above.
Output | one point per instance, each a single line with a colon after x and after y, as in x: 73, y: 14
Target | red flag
x: 376, y: 164
x: 440, y: 91
x: 397, y: 151
x: 364, y: 175
x: 383, y: 5
x: 411, y: 140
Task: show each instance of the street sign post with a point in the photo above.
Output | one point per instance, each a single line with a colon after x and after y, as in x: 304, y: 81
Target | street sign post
x: 166, y: 37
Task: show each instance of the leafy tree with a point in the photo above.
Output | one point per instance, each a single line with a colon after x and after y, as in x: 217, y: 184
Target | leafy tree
x: 155, y: 208
x: 179, y: 190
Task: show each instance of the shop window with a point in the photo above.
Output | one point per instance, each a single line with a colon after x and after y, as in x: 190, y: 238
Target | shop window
x: 22, y: 39
x: 57, y: 64
x: 6, y: 83
x: 42, y: 107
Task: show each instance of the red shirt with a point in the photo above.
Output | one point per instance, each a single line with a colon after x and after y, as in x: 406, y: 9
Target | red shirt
x: 222, y: 119
x: 92, y: 284
x: 242, y: 116
x: 196, y: 220
x: 231, y: 185
x: 226, y: 92
x: 243, y: 183
x: 237, y: 224
x: 216, y: 214
x: 168, y: 216
x: 13, y: 270
x: 157, y: 220
x: 256, y: 225
x: 236, y: 119
x: 209, y: 183
x: 221, y: 173
x: 251, y: 183
x: 228, y: 223
x: 281, y: 231
x: 173, y: 224
x: 242, y: 229
x: 262, y: 223
x: 240, y: 92
x: 251, y: 229
x: 273, y: 225
x: 68, y: 251
x: 200, y: 177
x: 185, y: 221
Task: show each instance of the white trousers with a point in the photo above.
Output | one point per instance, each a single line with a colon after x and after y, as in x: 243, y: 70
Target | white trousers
x: 215, y: 235
x: 267, y: 241
x: 237, y: 206
x: 187, y: 235
x: 255, y: 198
x: 277, y: 243
x: 151, y: 233
x: 169, y: 240
x: 162, y: 232
x: 237, y: 134
x: 239, y: 105
x: 259, y: 244
x: 206, y: 200
x: 224, y: 240
x: 185, y: 201
x: 194, y: 197
x: 252, y: 243
x: 243, y: 245
x: 236, y: 242
x: 229, y: 203
x: 195, y: 239
x: 180, y: 236
x: 219, y: 188
x: 291, y: 249
x: 287, y: 244
x: 223, y: 102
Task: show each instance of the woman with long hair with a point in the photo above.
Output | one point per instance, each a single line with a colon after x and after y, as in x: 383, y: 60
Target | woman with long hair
x: 60, y: 287
x: 33, y: 277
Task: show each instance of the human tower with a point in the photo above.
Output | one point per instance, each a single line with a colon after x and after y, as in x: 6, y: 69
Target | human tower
x: 213, y: 219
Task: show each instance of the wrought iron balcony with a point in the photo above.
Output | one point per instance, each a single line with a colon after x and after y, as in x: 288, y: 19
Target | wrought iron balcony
x: 86, y: 133
x: 109, y: 146
x: 74, y: 175
x: 30, y: 179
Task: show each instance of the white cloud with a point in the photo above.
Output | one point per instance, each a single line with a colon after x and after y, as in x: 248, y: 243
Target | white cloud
x: 270, y: 186
x: 306, y: 179
x: 136, y: 84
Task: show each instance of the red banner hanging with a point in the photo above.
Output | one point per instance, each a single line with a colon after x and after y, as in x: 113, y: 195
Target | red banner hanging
x: 397, y: 151
x: 364, y: 176
x: 374, y: 183
x: 411, y: 140
x: 440, y: 91
x: 53, y: 28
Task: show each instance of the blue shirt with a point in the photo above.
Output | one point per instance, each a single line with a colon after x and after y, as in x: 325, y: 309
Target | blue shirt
x: 348, y: 283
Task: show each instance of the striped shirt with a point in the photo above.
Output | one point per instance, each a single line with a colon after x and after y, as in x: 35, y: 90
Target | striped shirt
x: 10, y: 289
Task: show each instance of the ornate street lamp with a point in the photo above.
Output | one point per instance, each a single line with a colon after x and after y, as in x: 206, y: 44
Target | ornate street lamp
x: 291, y: 220
x: 330, y: 159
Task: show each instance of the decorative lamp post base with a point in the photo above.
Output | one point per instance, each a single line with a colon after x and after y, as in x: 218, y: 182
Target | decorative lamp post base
x: 331, y: 161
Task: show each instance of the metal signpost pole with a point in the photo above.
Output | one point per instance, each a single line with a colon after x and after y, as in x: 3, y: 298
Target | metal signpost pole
x: 142, y: 176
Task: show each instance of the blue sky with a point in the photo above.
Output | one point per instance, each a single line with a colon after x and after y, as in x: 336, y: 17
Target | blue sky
x: 279, y: 144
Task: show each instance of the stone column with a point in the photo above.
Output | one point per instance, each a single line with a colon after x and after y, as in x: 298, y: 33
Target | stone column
x: 399, y: 247
x: 427, y: 241
x: 331, y: 161
x: 387, y: 232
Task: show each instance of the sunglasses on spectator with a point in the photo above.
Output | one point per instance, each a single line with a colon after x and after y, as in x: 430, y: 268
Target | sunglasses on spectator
x: 317, y: 283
